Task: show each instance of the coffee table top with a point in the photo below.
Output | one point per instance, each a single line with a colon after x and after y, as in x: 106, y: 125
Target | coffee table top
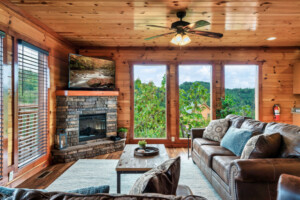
x: 130, y: 162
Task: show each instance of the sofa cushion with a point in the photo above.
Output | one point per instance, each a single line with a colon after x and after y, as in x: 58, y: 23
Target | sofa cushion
x: 202, y: 141
x: 236, y: 139
x: 221, y: 165
x: 290, y: 145
x: 162, y: 179
x: 254, y: 125
x: 207, y: 152
x: 262, y: 146
x: 216, y: 129
x: 236, y: 120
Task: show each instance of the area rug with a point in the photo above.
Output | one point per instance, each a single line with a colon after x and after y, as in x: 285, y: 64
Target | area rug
x: 95, y: 172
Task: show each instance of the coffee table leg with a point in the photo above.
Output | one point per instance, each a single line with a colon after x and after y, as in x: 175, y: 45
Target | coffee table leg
x: 118, y: 182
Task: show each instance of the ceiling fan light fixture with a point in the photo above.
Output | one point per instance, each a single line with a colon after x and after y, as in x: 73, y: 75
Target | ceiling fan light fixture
x: 176, y: 39
x: 180, y: 40
x: 185, y: 40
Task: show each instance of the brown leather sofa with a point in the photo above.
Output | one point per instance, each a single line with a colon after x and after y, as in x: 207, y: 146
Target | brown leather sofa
x: 288, y: 187
x: 235, y: 178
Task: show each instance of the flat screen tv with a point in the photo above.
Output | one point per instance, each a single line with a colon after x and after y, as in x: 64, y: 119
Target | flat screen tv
x: 91, y: 73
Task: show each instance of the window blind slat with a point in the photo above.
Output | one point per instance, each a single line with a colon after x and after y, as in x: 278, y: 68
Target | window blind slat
x: 32, y: 103
x: 2, y: 35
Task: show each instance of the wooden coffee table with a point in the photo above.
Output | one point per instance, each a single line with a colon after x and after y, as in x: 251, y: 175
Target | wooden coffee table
x: 131, y: 164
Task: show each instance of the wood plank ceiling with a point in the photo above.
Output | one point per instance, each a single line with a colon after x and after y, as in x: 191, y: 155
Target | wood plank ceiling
x: 123, y: 22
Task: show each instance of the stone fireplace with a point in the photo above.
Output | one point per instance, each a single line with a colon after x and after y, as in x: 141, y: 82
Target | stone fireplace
x: 89, y: 118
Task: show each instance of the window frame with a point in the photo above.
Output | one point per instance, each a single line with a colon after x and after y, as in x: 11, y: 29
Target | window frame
x: 39, y: 162
x: 132, y: 139
x: 258, y: 88
x: 212, y: 89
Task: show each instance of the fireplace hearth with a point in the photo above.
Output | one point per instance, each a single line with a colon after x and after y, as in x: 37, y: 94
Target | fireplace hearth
x: 92, y: 127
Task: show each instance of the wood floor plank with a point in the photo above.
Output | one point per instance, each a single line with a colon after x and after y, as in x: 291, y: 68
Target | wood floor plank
x: 58, y: 169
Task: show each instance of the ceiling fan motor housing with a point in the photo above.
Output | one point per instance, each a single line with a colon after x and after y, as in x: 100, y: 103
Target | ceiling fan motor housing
x: 179, y: 24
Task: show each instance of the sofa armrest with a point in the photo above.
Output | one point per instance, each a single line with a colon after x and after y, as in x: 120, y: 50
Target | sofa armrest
x: 197, y: 133
x: 263, y: 170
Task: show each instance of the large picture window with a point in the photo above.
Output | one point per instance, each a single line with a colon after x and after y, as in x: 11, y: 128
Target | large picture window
x: 194, y: 97
x: 241, y: 95
x: 149, y: 101
x: 32, y: 103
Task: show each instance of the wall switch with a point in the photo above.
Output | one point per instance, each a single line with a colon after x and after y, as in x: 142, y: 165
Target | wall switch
x: 11, y: 176
x: 173, y: 139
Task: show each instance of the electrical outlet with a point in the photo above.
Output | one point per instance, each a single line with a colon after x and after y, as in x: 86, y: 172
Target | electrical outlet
x: 173, y: 139
x: 11, y: 176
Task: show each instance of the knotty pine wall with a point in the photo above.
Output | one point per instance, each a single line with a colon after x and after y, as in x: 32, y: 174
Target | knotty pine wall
x: 18, y: 26
x: 276, y: 77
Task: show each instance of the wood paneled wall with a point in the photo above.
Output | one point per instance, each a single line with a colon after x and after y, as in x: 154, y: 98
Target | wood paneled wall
x: 276, y: 73
x: 18, y: 26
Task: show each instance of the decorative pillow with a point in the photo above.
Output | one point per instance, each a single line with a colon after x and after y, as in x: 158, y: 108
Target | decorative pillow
x: 262, y: 146
x: 216, y: 129
x: 235, y: 140
x: 91, y: 190
x: 162, y: 179
x: 8, y: 192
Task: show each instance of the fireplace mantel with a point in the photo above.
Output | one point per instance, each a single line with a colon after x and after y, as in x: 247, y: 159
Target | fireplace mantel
x: 86, y: 93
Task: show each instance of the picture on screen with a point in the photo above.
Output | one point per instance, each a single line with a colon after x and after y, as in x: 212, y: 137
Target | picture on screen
x: 89, y: 72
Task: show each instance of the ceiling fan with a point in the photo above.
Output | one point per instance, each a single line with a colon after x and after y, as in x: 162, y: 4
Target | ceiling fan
x: 181, y: 28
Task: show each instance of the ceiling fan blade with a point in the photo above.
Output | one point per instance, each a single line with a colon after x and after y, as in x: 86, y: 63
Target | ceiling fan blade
x: 159, y: 26
x: 197, y: 24
x: 150, y: 38
x: 207, y: 34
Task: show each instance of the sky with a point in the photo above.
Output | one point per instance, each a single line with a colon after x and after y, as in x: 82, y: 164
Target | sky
x: 236, y: 76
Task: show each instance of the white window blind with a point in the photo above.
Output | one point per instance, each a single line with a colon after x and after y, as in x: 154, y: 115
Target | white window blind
x: 2, y: 35
x: 32, y: 103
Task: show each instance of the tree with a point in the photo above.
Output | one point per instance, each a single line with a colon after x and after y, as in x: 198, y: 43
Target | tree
x: 230, y: 105
x: 191, y: 105
x: 150, y: 109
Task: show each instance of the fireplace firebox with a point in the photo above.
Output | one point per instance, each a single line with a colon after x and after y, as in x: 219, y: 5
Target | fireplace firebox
x: 92, y: 127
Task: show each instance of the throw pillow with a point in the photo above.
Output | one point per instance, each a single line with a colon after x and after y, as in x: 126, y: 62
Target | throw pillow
x: 8, y: 192
x: 262, y: 146
x: 91, y: 190
x: 235, y: 140
x: 216, y: 129
x: 162, y: 179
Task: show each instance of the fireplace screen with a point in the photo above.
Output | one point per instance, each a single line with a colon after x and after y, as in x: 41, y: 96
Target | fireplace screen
x: 92, y: 127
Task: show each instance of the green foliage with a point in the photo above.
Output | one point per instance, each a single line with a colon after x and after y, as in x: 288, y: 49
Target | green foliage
x: 191, y: 105
x: 150, y: 109
x: 122, y: 130
x: 28, y: 87
x: 188, y: 85
x: 232, y: 104
x: 142, y: 142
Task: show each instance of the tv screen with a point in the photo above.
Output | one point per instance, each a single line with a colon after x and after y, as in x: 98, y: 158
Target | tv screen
x: 91, y: 73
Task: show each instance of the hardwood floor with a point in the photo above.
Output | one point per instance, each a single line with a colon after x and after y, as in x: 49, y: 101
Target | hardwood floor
x: 36, y: 182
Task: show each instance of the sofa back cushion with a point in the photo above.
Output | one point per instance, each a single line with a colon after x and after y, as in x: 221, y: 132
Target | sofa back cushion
x: 290, y: 144
x: 254, y: 125
x: 262, y: 146
x: 236, y: 121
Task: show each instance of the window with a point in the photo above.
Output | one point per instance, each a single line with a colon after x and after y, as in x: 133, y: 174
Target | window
x: 241, y: 83
x: 2, y: 35
x: 32, y: 103
x: 194, y: 97
x: 149, y: 101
